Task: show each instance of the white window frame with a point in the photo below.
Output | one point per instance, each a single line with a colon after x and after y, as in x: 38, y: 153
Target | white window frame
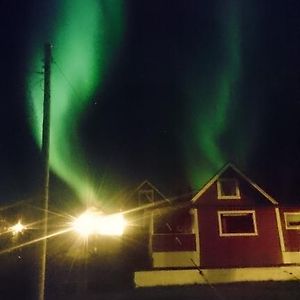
x: 296, y: 227
x: 237, y: 213
x: 237, y: 194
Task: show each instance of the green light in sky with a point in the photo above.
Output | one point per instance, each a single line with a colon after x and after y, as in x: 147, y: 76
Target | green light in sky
x: 212, y: 97
x: 85, y: 36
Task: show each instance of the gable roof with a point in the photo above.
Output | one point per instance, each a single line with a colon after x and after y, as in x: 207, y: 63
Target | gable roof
x: 227, y: 166
x: 151, y: 186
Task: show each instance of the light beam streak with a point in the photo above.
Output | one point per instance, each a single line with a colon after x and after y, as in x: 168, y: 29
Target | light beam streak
x: 28, y: 243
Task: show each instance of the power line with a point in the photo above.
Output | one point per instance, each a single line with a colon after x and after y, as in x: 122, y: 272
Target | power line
x: 68, y: 81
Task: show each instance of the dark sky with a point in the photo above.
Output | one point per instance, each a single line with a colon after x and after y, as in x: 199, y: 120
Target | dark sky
x: 143, y: 129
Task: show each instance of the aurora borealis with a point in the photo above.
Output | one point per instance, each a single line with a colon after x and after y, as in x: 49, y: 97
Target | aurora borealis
x: 85, y: 35
x: 162, y: 90
x: 211, y: 102
x: 84, y: 48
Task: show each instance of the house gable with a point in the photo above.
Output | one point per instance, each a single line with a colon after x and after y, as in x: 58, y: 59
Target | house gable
x: 147, y: 194
x: 236, y: 220
x: 230, y: 187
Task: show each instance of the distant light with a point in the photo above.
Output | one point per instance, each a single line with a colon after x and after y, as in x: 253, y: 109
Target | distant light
x: 17, y: 228
x: 91, y: 222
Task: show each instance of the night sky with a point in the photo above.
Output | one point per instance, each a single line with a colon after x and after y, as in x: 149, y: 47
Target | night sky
x: 164, y: 90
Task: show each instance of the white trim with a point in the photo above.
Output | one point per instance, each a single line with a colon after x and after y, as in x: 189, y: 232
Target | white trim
x: 153, y: 187
x: 208, y: 185
x: 197, y: 237
x: 237, y: 194
x: 291, y: 257
x: 174, y: 259
x: 287, y: 227
x: 215, y: 276
x: 174, y: 233
x: 150, y: 244
x: 280, y: 232
x: 237, y: 213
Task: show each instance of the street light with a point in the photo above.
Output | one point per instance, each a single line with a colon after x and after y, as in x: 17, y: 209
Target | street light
x: 85, y: 224
x: 17, y: 228
x: 92, y: 222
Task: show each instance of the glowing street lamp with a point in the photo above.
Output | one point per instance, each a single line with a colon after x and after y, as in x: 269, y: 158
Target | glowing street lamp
x: 91, y: 222
x: 112, y: 225
x: 17, y: 228
x: 85, y: 224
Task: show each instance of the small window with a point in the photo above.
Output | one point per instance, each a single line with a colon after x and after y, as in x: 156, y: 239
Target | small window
x: 292, y: 220
x: 228, y: 189
x: 237, y: 223
x: 146, y: 197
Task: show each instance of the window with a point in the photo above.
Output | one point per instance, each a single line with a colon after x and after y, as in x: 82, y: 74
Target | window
x: 146, y: 197
x: 292, y: 220
x: 228, y: 189
x: 237, y: 223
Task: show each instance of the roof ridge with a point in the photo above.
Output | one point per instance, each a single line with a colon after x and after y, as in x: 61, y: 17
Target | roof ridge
x: 221, y: 171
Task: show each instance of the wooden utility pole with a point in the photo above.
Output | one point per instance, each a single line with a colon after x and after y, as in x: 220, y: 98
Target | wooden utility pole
x: 45, y: 169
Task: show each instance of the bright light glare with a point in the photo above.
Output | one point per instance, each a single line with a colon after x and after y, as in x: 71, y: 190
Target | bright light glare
x: 94, y: 223
x: 85, y: 224
x: 112, y: 225
x: 17, y: 228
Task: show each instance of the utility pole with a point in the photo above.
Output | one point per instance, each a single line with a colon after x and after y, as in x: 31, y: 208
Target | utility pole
x: 45, y: 170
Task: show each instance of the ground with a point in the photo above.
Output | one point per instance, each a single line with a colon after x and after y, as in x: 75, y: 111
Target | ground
x: 245, y: 291
x: 111, y: 278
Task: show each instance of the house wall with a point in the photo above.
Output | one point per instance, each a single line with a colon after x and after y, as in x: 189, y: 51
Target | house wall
x: 175, y: 245
x: 262, y: 249
x: 177, y: 240
x: 290, y: 238
x: 215, y: 276
x: 249, y: 195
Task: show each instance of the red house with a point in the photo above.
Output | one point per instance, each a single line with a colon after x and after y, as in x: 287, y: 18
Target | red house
x: 237, y: 222
x: 230, y: 223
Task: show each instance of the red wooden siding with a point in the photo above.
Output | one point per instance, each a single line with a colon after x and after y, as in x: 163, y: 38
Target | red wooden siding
x: 239, y: 251
x: 248, y: 194
x: 236, y: 227
x: 250, y: 247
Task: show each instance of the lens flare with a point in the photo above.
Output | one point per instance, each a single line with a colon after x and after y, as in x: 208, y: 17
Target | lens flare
x: 86, y: 224
x: 91, y: 222
x: 17, y: 228
x: 112, y: 225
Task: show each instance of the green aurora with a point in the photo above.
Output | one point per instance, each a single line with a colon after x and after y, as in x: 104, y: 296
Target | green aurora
x: 85, y: 35
x: 212, y: 97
